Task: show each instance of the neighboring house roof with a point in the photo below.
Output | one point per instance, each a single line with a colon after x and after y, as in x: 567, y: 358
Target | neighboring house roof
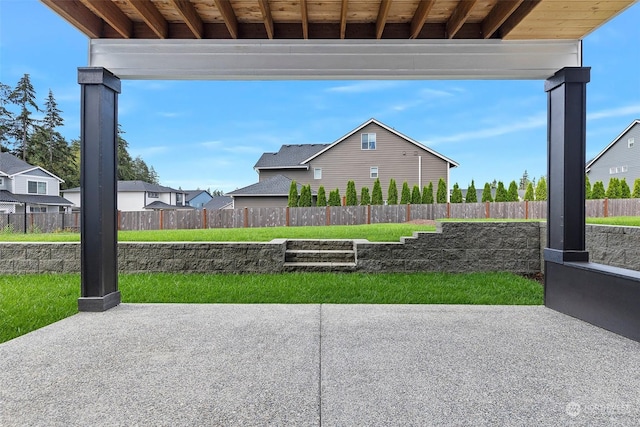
x: 8, y: 197
x: 382, y: 125
x: 192, y: 194
x: 595, y: 159
x: 278, y: 185
x: 131, y: 186
x: 11, y: 165
x: 33, y: 199
x: 164, y: 206
x: 218, y: 202
x: 289, y: 156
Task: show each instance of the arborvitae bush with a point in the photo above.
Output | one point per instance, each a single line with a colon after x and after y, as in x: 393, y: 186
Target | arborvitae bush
x: 472, y: 197
x: 512, y: 193
x: 322, y: 197
x: 636, y: 189
x: 376, y: 194
x: 441, y: 196
x: 334, y: 198
x: 305, y: 196
x: 293, y: 195
x: 486, y: 193
x: 427, y: 194
x: 625, y: 191
x: 405, y: 196
x: 541, y: 189
x: 613, y: 190
x: 597, y: 192
x: 528, y: 195
x: 415, y: 195
x: 392, y: 193
x: 352, y: 196
x: 587, y: 187
x: 456, y: 194
x: 365, y: 198
x: 501, y: 193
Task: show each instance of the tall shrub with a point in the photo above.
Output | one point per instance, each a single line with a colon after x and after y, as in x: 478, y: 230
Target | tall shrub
x: 512, y: 193
x: 441, y: 196
x: 501, y: 193
x: 322, y: 197
x: 541, y: 189
x: 598, y: 191
x: 293, y: 195
x: 405, y: 196
x: 376, y: 194
x: 636, y: 189
x: 392, y: 193
x: 415, y: 195
x: 427, y: 194
x: 305, y: 196
x: 456, y: 194
x: 587, y: 187
x: 613, y: 189
x: 486, y: 193
x: 625, y: 191
x: 472, y: 196
x: 528, y: 195
x: 334, y: 198
x: 365, y: 198
x: 352, y: 196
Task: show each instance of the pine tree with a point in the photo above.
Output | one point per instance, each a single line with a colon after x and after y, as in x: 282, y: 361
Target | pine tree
x: 472, y: 196
x: 365, y: 197
x: 392, y: 193
x: 598, y: 192
x: 636, y: 189
x: 427, y: 194
x: 456, y: 194
x: 486, y: 193
x: 405, y: 196
x: 24, y: 96
x: 528, y: 195
x: 415, y: 195
x: 587, y: 187
x: 501, y: 193
x: 512, y: 193
x: 524, y: 181
x: 292, y: 202
x: 6, y: 116
x: 322, y: 197
x: 376, y: 194
x: 625, y: 191
x: 441, y: 195
x: 352, y: 195
x: 305, y: 196
x: 613, y: 189
x: 541, y: 189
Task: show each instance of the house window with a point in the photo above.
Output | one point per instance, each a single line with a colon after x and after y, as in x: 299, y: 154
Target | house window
x: 1, y: 181
x: 618, y: 169
x: 36, y: 187
x: 317, y: 173
x: 178, y: 198
x: 153, y: 195
x: 368, y: 141
x: 373, y: 172
x: 37, y: 209
x: 631, y: 142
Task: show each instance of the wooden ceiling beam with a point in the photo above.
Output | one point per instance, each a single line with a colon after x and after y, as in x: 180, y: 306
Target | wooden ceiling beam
x: 516, y: 17
x: 190, y: 16
x: 420, y: 17
x: 229, y: 16
x: 152, y: 17
x: 500, y: 12
x: 112, y: 15
x: 343, y: 18
x: 459, y: 16
x: 383, y: 12
x: 266, y: 17
x: 304, y: 17
x: 78, y: 15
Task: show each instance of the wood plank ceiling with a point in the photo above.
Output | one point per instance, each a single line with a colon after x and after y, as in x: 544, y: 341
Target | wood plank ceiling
x: 337, y: 19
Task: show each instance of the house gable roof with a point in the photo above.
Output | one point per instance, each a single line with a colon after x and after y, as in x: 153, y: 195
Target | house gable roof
x: 157, y: 205
x: 192, y: 194
x: 11, y: 166
x: 289, y: 156
x: 395, y: 132
x: 278, y: 185
x: 618, y: 138
x: 33, y: 199
x: 218, y: 202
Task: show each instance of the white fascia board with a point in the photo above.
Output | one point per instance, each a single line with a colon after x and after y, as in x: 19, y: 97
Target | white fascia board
x: 334, y: 59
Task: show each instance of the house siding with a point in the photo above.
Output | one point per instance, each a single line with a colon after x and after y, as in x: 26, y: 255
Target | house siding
x: 619, y: 155
x: 20, y: 184
x: 260, y: 202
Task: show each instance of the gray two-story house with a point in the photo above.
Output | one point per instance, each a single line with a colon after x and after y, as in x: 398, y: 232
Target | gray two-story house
x: 371, y: 151
x: 620, y: 159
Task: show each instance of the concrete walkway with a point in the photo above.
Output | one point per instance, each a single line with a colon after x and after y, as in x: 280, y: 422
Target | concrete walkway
x: 309, y: 365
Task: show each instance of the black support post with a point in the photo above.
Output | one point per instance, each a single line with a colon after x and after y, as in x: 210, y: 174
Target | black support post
x: 98, y: 189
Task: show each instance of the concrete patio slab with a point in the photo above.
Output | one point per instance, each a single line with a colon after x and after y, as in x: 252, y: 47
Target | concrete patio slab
x: 333, y: 365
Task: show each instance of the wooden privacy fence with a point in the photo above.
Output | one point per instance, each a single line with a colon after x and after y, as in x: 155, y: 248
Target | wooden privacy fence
x: 313, y: 216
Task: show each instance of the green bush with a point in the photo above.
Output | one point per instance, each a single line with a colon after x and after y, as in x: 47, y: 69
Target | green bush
x: 405, y: 197
x: 415, y: 195
x: 598, y: 191
x: 587, y: 187
x: 541, y: 189
x: 376, y: 195
x: 456, y: 194
x: 321, y: 200
x: 392, y: 193
x: 293, y: 195
x: 334, y: 198
x: 472, y: 197
x: 486, y: 193
x: 636, y: 189
x: 528, y: 195
x: 365, y: 198
x: 625, y: 191
x: 613, y: 189
x: 512, y: 193
x: 441, y: 196
x: 305, y: 196
x: 352, y: 196
x: 501, y: 193
x: 427, y: 194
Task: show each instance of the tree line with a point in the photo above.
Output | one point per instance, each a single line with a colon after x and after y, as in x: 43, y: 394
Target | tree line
x: 38, y: 141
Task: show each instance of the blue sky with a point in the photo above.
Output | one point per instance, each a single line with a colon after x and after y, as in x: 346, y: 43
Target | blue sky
x: 210, y: 134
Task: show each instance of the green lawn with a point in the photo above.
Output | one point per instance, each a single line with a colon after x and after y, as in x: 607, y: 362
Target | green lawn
x: 627, y: 221
x: 29, y: 302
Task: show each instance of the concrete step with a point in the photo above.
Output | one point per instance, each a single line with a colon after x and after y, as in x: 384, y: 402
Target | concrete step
x: 320, y: 266
x: 307, y: 245
x: 339, y: 256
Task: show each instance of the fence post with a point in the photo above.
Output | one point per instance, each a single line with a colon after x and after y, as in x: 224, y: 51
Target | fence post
x: 448, y: 210
x: 204, y: 218
x: 286, y: 216
x: 328, y: 216
x: 408, y: 212
x: 75, y: 221
x: 161, y: 219
x: 606, y: 208
x: 487, y: 210
x: 368, y: 214
x: 119, y: 220
x: 246, y: 217
x: 526, y: 209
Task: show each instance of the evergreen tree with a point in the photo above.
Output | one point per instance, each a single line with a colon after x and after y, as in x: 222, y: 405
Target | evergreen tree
x: 405, y: 195
x: 427, y: 194
x: 486, y: 193
x: 501, y: 193
x: 352, y: 195
x: 6, y: 116
x: 524, y: 181
x: 472, y: 196
x: 528, y: 195
x: 613, y: 189
x: 512, y: 193
x: 415, y: 195
x: 598, y: 192
x: 376, y: 194
x: 392, y: 194
x: 334, y: 198
x: 441, y: 196
x: 365, y: 197
x: 322, y: 197
x: 587, y: 187
x: 24, y: 96
x: 636, y: 189
x: 292, y: 202
x: 305, y: 196
x: 541, y: 189
x: 625, y: 191
x: 456, y: 194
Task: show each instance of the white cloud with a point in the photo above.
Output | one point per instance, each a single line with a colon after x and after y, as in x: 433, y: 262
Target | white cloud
x: 365, y: 86
x: 628, y: 110
x: 210, y: 144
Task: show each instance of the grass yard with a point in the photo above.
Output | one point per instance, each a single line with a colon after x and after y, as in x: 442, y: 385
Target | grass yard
x: 372, y: 232
x: 626, y: 221
x: 29, y: 302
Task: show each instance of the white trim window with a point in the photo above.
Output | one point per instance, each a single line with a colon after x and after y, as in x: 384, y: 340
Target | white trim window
x: 152, y: 195
x: 373, y: 172
x: 618, y: 169
x: 317, y: 173
x: 37, y: 187
x: 368, y: 141
x: 631, y: 142
x: 38, y: 209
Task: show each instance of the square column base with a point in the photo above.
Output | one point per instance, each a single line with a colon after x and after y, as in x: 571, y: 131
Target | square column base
x: 96, y: 304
